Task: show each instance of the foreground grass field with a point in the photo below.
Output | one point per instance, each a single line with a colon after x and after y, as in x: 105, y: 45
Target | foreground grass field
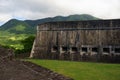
x: 82, y: 70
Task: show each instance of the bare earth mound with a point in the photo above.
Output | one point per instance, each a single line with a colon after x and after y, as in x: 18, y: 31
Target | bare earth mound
x: 21, y: 70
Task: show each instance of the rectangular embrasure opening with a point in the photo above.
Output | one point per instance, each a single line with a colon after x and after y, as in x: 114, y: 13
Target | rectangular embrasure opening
x: 55, y: 48
x: 117, y: 50
x: 84, y: 49
x: 74, y: 49
x: 95, y: 49
x: 106, y: 50
x: 64, y: 48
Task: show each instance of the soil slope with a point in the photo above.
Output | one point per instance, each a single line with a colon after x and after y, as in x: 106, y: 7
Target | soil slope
x: 11, y: 69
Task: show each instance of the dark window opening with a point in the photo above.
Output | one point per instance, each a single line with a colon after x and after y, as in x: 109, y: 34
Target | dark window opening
x: 95, y: 49
x: 74, y: 49
x: 64, y: 48
x: 84, y: 49
x: 106, y: 50
x: 55, y: 48
x: 117, y: 50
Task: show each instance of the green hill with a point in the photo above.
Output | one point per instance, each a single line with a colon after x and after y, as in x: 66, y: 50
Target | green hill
x: 29, y: 26
x: 17, y: 26
x: 61, y: 18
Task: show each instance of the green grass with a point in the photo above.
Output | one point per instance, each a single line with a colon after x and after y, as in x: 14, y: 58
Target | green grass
x: 12, y: 39
x: 82, y: 70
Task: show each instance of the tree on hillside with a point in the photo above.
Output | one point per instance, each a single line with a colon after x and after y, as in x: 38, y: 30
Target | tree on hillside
x: 27, y: 43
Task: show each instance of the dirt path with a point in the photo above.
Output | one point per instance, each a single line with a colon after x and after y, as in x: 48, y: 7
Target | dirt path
x: 21, y: 70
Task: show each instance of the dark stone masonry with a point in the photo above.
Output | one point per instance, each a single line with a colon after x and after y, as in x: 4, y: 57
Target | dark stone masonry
x: 94, y: 40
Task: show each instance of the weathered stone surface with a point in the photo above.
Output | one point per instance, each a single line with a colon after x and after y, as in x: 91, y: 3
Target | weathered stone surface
x: 77, y: 40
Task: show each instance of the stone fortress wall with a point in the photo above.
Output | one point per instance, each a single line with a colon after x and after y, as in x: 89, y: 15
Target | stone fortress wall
x: 95, y: 40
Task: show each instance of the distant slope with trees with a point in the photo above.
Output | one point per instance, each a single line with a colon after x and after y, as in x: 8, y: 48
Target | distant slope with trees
x: 29, y: 26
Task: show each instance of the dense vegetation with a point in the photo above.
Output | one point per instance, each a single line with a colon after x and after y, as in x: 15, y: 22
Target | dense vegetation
x: 21, y: 43
x: 27, y: 45
x: 11, y: 39
x: 17, y: 27
x: 82, y: 70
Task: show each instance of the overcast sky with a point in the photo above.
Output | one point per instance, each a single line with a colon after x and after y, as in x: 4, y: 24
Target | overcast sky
x: 37, y: 9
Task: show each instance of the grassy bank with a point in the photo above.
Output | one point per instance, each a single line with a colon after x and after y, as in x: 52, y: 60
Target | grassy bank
x: 82, y: 70
x: 12, y: 40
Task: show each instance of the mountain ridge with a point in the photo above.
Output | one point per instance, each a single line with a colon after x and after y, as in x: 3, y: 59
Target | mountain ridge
x: 29, y: 26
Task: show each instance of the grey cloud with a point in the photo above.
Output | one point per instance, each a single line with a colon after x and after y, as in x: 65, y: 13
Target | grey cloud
x: 36, y: 9
x: 28, y: 9
x: 34, y: 6
x: 11, y: 6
